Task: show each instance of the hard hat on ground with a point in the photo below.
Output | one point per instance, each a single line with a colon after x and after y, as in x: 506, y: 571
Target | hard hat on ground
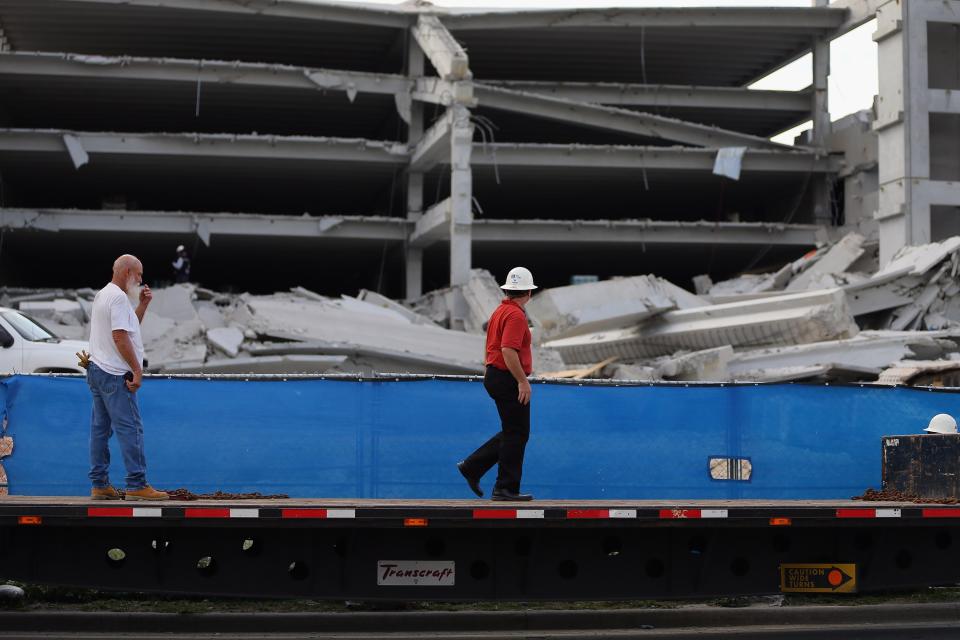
x: 180, y: 248
x: 519, y: 279
x: 942, y: 423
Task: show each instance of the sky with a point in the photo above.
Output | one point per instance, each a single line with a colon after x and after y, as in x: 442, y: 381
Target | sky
x: 853, y: 57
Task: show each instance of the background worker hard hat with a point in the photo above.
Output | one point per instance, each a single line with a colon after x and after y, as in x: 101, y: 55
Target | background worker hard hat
x: 519, y: 279
x: 942, y: 423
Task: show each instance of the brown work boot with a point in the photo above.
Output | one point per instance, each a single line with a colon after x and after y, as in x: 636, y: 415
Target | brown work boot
x: 105, y: 493
x: 147, y: 493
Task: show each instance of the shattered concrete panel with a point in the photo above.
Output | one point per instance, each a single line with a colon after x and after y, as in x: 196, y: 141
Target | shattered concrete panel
x: 297, y: 319
x: 917, y: 260
x: 870, y: 349
x: 279, y: 364
x: 210, y: 314
x: 174, y: 302
x: 709, y: 365
x: 226, y: 339
x: 788, y: 319
x: 607, y: 304
x: 633, y: 372
x: 372, y: 297
x: 835, y: 260
x: 69, y: 312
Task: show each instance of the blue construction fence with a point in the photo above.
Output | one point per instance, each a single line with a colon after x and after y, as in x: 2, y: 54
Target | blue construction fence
x: 401, y: 438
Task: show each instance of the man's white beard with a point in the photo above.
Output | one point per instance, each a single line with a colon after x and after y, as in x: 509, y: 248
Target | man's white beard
x: 132, y: 290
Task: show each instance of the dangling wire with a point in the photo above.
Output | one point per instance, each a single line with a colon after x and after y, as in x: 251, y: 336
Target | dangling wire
x: 196, y: 110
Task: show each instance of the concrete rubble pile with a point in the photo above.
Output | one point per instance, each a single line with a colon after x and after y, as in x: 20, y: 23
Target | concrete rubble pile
x: 832, y: 315
x: 189, y: 329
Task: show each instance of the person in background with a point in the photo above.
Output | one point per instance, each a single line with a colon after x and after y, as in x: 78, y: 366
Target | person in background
x: 181, y: 266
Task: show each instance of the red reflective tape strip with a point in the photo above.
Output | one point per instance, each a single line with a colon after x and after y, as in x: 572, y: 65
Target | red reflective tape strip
x: 679, y: 514
x: 856, y: 513
x: 941, y: 513
x: 109, y: 512
x: 206, y: 513
x: 494, y: 514
x: 303, y: 513
x: 577, y: 514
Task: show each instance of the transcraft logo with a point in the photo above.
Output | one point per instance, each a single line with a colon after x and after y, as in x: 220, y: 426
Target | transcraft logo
x: 415, y: 573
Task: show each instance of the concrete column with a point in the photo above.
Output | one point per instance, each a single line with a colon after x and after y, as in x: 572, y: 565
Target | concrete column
x: 903, y: 125
x: 820, y: 111
x: 461, y: 196
x: 414, y: 257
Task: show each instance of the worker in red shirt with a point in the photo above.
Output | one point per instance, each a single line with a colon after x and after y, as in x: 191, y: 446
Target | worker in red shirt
x: 508, y: 363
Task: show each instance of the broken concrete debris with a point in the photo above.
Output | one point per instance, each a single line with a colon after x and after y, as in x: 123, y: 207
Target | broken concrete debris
x: 831, y: 315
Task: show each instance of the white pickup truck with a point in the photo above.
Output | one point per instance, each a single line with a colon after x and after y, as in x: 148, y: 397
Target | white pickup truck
x: 26, y: 346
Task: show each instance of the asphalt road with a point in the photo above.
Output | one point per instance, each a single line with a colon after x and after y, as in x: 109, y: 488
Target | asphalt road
x: 874, y: 622
x: 846, y: 632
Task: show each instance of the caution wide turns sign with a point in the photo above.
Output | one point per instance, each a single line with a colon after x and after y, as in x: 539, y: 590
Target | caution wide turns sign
x: 818, y: 578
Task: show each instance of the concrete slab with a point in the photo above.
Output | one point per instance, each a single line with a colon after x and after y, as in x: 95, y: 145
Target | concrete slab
x: 835, y: 260
x: 870, y: 349
x: 226, y: 339
x: 280, y: 364
x: 788, y: 319
x: 608, y: 304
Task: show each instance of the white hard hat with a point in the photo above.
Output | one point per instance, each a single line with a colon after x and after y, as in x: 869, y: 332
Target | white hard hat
x: 180, y: 248
x: 519, y: 279
x: 942, y: 423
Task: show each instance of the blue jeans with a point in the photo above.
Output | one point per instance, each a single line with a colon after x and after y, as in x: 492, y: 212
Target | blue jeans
x: 115, y: 411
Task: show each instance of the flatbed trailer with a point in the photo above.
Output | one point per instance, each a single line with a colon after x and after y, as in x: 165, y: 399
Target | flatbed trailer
x: 479, y: 550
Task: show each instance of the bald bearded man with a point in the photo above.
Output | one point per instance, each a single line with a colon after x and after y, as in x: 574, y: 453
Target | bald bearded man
x: 114, y: 375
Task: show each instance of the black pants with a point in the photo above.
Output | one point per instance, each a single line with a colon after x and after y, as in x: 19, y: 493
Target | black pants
x: 507, y: 447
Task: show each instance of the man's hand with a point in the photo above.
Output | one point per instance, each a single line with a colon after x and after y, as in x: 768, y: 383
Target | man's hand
x: 83, y: 357
x: 135, y: 382
x: 146, y: 296
x: 525, y: 392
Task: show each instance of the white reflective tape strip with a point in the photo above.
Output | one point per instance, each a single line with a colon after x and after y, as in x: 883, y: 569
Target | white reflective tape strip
x: 623, y: 513
x: 244, y: 513
x: 529, y: 513
x: 713, y: 513
x: 143, y: 512
x: 341, y: 513
x: 888, y: 513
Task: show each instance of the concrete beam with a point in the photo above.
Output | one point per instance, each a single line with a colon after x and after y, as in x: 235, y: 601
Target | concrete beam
x: 216, y: 224
x: 859, y: 12
x: 434, y: 146
x: 614, y: 119
x: 266, y: 76
x: 381, y: 16
x: 441, y: 48
x: 206, y: 145
x: 651, y: 95
x: 433, y: 226
x: 641, y: 157
x: 686, y: 18
x: 586, y: 233
x: 944, y: 101
x: 444, y: 92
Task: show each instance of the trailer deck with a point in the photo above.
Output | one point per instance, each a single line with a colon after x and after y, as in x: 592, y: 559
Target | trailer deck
x: 479, y: 549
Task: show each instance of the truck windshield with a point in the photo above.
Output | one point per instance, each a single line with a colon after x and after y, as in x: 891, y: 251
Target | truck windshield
x: 29, y: 328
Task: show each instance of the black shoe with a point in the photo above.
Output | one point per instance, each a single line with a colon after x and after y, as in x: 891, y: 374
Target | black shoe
x: 505, y: 495
x: 473, y: 483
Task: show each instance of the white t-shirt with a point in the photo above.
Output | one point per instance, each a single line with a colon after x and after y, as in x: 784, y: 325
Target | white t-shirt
x: 111, y: 311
